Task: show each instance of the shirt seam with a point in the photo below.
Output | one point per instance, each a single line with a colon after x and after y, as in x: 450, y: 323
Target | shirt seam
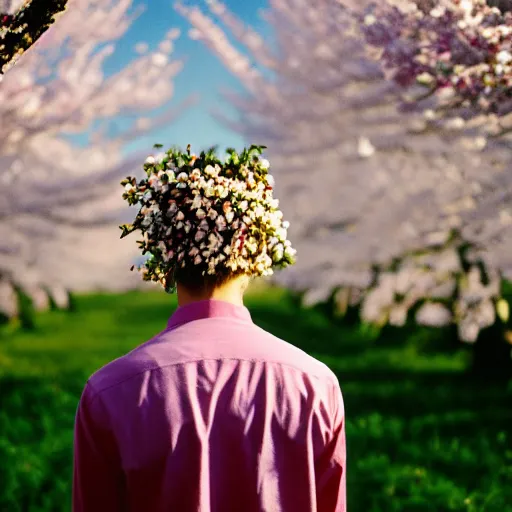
x: 97, y: 393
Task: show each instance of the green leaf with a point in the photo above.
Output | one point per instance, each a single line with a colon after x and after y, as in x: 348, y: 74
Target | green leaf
x: 127, y: 229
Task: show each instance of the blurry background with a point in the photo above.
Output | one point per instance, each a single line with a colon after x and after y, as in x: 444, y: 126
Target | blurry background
x: 401, y: 218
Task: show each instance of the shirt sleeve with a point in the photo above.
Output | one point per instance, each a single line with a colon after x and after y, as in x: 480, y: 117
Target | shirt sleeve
x: 331, y: 466
x: 97, y: 474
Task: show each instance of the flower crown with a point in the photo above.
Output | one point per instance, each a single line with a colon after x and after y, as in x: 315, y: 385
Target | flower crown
x: 197, y: 211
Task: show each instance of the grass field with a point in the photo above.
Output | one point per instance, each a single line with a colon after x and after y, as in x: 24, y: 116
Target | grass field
x: 421, y: 435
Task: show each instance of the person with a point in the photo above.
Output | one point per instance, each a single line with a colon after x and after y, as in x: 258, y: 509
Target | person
x: 213, y: 414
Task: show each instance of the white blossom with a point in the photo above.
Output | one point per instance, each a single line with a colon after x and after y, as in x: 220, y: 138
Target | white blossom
x: 362, y: 182
x: 59, y: 196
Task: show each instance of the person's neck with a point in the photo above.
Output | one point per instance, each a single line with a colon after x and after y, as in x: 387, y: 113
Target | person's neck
x: 230, y: 292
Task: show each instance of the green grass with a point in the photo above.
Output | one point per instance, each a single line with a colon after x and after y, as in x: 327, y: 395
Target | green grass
x: 421, y: 434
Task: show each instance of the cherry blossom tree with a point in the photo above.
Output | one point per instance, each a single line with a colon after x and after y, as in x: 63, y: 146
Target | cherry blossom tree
x: 459, y: 51
x: 60, y: 200
x: 22, y: 22
x: 364, y: 183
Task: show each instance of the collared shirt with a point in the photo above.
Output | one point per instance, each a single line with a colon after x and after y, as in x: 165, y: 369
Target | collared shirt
x: 213, y: 414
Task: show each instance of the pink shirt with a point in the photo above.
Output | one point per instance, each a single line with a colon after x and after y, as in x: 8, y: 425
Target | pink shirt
x: 211, y: 415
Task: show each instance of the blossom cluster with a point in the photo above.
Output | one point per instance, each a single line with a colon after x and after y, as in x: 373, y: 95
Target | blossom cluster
x: 440, y: 289
x: 461, y: 50
x: 217, y: 216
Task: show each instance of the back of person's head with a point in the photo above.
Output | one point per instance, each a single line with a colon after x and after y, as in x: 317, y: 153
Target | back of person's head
x: 207, y: 222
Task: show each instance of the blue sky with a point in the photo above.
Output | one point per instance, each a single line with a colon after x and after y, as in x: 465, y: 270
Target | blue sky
x: 202, y: 74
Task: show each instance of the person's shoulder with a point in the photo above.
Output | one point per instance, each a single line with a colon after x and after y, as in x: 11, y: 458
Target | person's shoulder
x: 121, y: 369
x: 288, y: 355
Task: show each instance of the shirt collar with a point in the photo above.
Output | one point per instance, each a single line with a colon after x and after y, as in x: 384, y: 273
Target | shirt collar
x: 208, y: 309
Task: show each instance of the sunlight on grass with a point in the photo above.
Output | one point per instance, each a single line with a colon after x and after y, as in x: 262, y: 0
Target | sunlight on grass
x: 422, y: 436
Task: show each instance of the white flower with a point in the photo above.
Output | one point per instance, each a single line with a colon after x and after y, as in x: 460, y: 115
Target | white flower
x: 230, y: 216
x: 369, y: 19
x: 221, y: 223
x: 218, y: 190
x: 264, y: 163
x: 197, y: 202
x: 180, y: 215
x: 179, y: 225
x: 155, y: 183
x: 504, y: 57
x: 182, y: 177
x: 195, y: 174
x: 198, y: 260
x: 271, y: 181
x: 260, y: 268
x: 286, y: 224
x: 251, y: 245
x: 194, y: 251
x: 281, y: 233
x: 423, y: 79
x: 278, y: 252
x: 259, y: 211
x: 213, y: 214
x: 173, y: 207
x: 201, y: 214
x: 204, y: 225
x: 227, y: 250
x: 199, y: 235
x: 209, y: 170
x: 289, y: 252
x: 214, y: 242
x: 129, y: 187
x: 243, y: 205
x: 150, y: 160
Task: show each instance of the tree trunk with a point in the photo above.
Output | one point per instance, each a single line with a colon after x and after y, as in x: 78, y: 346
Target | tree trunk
x: 492, y: 354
